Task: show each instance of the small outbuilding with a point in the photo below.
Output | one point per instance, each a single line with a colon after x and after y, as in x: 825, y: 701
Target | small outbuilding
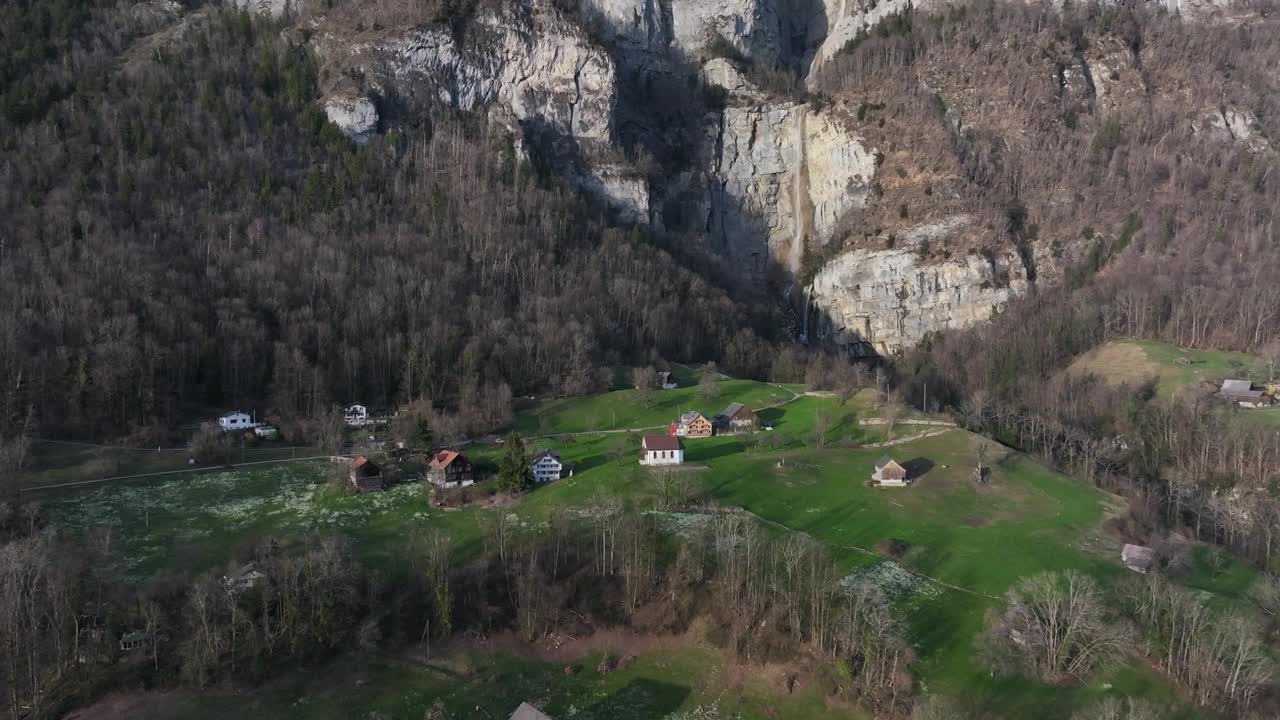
x: 236, y: 421
x: 889, y: 473
x: 529, y: 712
x: 665, y: 381
x: 1138, y: 558
x: 366, y: 475
x: 1241, y: 392
x: 661, y: 450
x: 737, y: 418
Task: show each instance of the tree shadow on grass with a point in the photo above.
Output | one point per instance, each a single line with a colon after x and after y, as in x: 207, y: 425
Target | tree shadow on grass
x: 639, y: 699
x: 918, y: 467
x: 695, y: 452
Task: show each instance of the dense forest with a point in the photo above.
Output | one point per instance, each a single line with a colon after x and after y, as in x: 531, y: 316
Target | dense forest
x: 182, y: 228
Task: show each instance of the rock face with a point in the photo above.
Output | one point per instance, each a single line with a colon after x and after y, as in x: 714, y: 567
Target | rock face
x: 1231, y: 125
x: 356, y: 117
x: 752, y: 28
x: 782, y: 175
x: 526, y: 66
x: 539, y: 67
x: 272, y: 8
x: 844, y: 19
x: 882, y: 301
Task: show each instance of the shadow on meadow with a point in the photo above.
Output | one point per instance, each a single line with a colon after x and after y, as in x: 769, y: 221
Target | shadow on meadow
x: 641, y: 698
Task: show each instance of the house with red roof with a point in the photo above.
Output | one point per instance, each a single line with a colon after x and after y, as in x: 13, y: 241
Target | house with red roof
x: 449, y: 469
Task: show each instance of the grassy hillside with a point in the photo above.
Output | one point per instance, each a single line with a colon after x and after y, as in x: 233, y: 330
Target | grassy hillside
x: 624, y: 410
x: 958, y: 547
x: 664, y: 678
x: 1174, y: 369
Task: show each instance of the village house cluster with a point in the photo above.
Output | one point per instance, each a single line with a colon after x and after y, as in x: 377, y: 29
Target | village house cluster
x: 668, y: 449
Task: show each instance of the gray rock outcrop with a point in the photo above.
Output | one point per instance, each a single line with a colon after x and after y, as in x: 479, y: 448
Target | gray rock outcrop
x: 540, y: 67
x: 885, y: 300
x: 356, y: 117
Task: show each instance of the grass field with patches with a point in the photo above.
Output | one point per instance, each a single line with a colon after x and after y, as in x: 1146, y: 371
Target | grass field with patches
x: 660, y: 681
x: 622, y: 409
x: 1030, y: 519
x: 1174, y: 368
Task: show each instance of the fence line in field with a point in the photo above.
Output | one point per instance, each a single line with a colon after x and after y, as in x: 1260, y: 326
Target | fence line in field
x: 35, y: 488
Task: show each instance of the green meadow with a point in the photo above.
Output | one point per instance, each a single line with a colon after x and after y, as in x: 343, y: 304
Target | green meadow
x: 1175, y: 369
x: 956, y: 548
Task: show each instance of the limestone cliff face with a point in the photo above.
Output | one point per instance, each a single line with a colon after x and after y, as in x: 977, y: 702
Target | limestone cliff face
x: 355, y: 116
x: 752, y: 27
x: 539, y: 67
x: 526, y: 66
x: 783, y: 174
x: 882, y: 301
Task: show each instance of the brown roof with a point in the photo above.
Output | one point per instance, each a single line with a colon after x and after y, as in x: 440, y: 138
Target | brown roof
x: 661, y: 442
x: 443, y: 459
x: 362, y: 461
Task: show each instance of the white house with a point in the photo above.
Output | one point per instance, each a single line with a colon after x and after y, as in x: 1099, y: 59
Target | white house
x: 661, y: 450
x: 547, y: 467
x: 235, y: 421
x: 356, y: 415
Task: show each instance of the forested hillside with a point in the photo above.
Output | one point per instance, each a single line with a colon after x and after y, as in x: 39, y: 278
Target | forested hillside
x: 181, y: 227
x: 1110, y: 146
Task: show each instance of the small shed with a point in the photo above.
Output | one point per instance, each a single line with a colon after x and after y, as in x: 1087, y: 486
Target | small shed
x: 1137, y: 558
x: 366, y: 475
x: 889, y: 473
x: 1242, y: 393
x: 133, y: 640
x: 529, y: 712
x: 665, y: 381
x: 235, y: 421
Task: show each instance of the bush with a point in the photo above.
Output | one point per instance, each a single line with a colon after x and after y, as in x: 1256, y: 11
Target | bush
x: 209, y: 445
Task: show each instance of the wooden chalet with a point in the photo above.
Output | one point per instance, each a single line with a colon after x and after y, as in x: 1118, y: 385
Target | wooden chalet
x: 449, y: 469
x: 694, y: 425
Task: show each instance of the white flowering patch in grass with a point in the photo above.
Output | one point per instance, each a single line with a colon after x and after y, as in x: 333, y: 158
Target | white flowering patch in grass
x: 895, y: 581
x: 210, y: 512
x: 683, y: 524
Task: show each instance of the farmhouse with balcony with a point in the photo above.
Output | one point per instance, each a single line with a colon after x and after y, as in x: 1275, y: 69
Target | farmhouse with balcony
x: 449, y: 469
x: 694, y: 425
x: 548, y: 467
